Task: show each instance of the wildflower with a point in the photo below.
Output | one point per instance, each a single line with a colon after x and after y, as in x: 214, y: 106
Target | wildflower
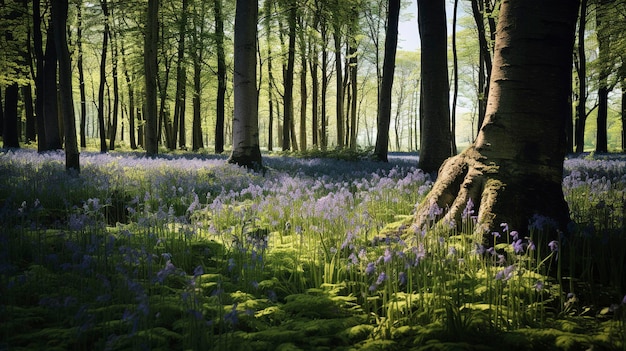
x: 381, y: 278
x: 402, y: 278
x: 452, y: 251
x: 531, y: 245
x: 496, y: 235
x: 518, y: 246
x: 469, y: 209
x: 231, y: 264
x: 505, y: 227
x: 514, y: 234
x: 479, y: 249
x: 553, y: 245
x: 231, y: 317
x: 538, y: 285
x: 198, y: 271
x: 352, y: 260
x: 506, y: 273
x: 387, y: 256
x: 370, y: 268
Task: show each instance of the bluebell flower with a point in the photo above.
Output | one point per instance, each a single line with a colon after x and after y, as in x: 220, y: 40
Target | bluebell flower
x: 518, y: 246
x: 381, y: 278
x: 538, y: 285
x: 506, y: 273
x: 231, y: 317
x: 553, y: 245
x: 505, y: 227
x: 402, y: 278
x: 370, y: 268
x: 495, y: 234
x: 387, y: 256
x: 514, y: 234
x: 198, y: 271
x: 531, y: 245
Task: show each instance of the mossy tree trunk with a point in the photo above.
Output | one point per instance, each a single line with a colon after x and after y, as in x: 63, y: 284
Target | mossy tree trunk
x: 514, y: 168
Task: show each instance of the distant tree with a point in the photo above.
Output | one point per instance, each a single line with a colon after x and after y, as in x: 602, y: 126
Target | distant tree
x: 604, y: 88
x: 48, y: 94
x: 480, y: 10
x: 246, y: 151
x: 581, y: 78
x: 81, y: 74
x: 181, y: 79
x: 150, y: 68
x: 59, y: 20
x: 514, y: 169
x: 436, y: 137
x: 385, y: 95
x: 288, y: 76
x: 103, y: 76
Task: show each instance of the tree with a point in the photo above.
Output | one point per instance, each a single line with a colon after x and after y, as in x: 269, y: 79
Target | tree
x: 81, y: 75
x: 514, y: 169
x: 181, y: 79
x: 246, y: 151
x: 59, y: 18
x: 221, y: 77
x: 288, y: 77
x: 384, y: 104
x: 436, y: 137
x: 150, y: 68
x: 103, y: 60
x: 581, y: 70
x: 604, y: 88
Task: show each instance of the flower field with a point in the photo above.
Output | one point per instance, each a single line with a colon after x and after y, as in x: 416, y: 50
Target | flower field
x: 187, y: 252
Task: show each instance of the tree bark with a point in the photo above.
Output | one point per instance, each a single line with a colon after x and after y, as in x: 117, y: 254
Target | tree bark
x: 603, y: 88
x: 50, y: 98
x: 288, y: 78
x: 81, y: 76
x: 581, y: 108
x: 10, y: 136
x: 436, y: 138
x: 514, y: 169
x: 103, y: 58
x: 39, y: 78
x: 339, y: 81
x: 246, y: 151
x: 59, y: 16
x: 221, y: 78
x: 181, y: 80
x: 150, y: 68
x: 384, y: 105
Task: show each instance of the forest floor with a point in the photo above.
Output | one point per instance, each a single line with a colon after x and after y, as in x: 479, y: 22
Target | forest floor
x: 187, y: 252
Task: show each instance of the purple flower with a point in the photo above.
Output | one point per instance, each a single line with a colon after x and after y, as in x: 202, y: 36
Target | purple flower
x: 198, y: 271
x: 387, y: 256
x: 469, y: 209
x: 402, y: 279
x: 531, y: 245
x: 518, y: 246
x: 506, y: 273
x: 231, y: 317
x: 370, y: 268
x: 381, y: 278
x: 495, y: 234
x: 514, y: 234
x: 553, y: 245
x: 538, y: 285
x: 505, y: 227
x: 624, y: 300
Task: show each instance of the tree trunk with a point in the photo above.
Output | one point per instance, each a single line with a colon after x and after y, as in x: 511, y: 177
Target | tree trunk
x: 150, y: 68
x: 270, y: 80
x: 131, y: 100
x: 303, y: 83
x: 603, y: 88
x: 455, y: 78
x: 384, y: 105
x: 484, y: 74
x: 181, y: 80
x: 246, y: 151
x: 313, y: 63
x: 31, y: 123
x: 59, y: 18
x: 581, y: 108
x: 514, y: 169
x: 339, y: 81
x: 221, y: 77
x: 436, y: 138
x: 116, y: 94
x: 1, y: 115
x: 39, y: 78
x: 50, y: 103
x: 103, y: 58
x: 288, y: 78
x: 10, y: 135
x: 354, y: 90
x: 81, y: 76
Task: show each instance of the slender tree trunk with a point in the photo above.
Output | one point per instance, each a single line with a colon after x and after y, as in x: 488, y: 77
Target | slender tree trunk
x: 339, y: 81
x: 131, y: 99
x: 116, y: 94
x: 31, y: 123
x: 436, y: 139
x: 484, y: 74
x: 59, y: 16
x: 1, y: 115
x: 455, y: 70
x: 288, y: 78
x: 51, y: 108
x: 303, y: 84
x: 581, y: 108
x: 103, y: 58
x: 313, y: 63
x: 623, y: 114
x: 81, y: 76
x: 384, y: 105
x: 221, y: 78
x: 246, y: 151
x: 353, y: 95
x: 178, y: 134
x: 603, y: 88
x: 270, y: 80
x: 150, y: 68
x: 324, y: 73
x: 514, y: 169
x: 40, y: 77
x: 10, y: 135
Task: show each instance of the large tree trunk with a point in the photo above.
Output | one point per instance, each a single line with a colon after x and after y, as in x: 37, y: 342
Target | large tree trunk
x: 246, y: 151
x: 288, y: 78
x: 181, y: 81
x: 50, y: 98
x: 131, y: 99
x: 436, y: 138
x: 384, y: 103
x: 59, y: 15
x: 270, y: 81
x: 514, y: 169
x: 339, y: 81
x: 581, y: 70
x: 603, y: 87
x: 103, y: 58
x: 39, y: 78
x: 10, y: 136
x: 81, y: 76
x: 221, y: 78
x: 150, y: 67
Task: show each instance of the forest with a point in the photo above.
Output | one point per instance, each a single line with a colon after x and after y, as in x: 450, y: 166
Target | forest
x: 283, y: 175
